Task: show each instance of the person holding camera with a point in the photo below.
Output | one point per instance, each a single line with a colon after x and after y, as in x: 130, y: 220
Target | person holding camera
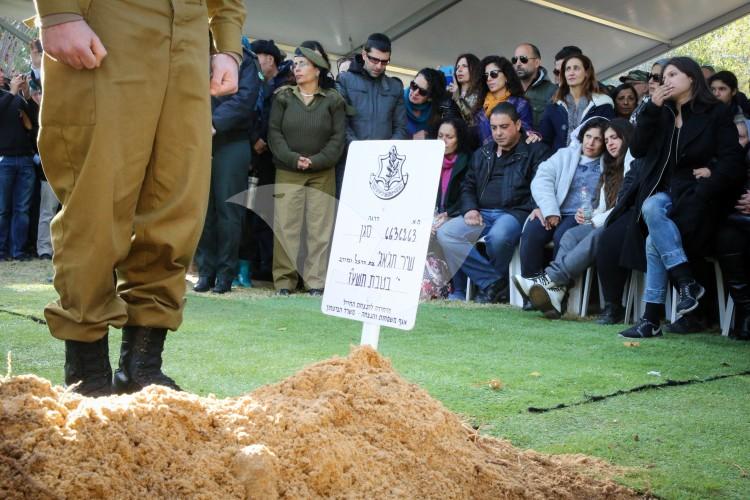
x: 17, y: 173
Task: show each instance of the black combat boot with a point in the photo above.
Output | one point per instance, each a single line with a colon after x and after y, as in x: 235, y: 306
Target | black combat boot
x: 140, y: 360
x: 88, y: 363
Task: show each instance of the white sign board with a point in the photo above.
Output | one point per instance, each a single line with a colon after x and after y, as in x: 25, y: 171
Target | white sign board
x: 382, y: 232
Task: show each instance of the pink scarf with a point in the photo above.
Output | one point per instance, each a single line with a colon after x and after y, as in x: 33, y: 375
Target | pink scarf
x: 445, y: 175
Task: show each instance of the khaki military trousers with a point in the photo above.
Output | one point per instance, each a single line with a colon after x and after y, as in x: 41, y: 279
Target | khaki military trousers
x: 302, y: 199
x: 126, y: 149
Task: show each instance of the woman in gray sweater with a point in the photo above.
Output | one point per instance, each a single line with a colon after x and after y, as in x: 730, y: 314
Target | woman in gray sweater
x: 306, y: 136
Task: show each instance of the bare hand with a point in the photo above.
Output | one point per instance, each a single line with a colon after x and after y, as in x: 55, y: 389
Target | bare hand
x: 473, y: 218
x: 438, y: 221
x: 532, y: 137
x: 661, y: 94
x: 15, y: 84
x: 213, y: 130
x: 421, y: 135
x: 304, y: 163
x: 224, y: 75
x: 701, y: 173
x: 743, y: 204
x: 260, y: 146
x: 537, y: 214
x: 552, y: 221
x: 452, y: 87
x: 579, y: 216
x: 74, y: 44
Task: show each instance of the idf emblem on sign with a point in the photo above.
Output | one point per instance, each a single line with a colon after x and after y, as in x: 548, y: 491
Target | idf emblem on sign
x: 390, y: 180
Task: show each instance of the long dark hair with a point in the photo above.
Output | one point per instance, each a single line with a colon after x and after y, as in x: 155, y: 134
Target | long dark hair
x: 590, y: 84
x: 513, y: 83
x: 325, y: 79
x: 436, y: 93
x: 699, y: 91
x: 614, y: 167
x: 462, y: 133
x: 475, y: 72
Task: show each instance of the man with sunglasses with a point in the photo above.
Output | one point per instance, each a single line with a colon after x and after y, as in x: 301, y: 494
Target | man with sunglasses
x: 527, y: 61
x: 375, y: 98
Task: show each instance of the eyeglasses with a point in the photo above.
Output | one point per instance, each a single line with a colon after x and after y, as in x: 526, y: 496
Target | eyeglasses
x: 416, y: 88
x: 492, y: 74
x: 523, y: 59
x: 655, y: 77
x: 376, y: 61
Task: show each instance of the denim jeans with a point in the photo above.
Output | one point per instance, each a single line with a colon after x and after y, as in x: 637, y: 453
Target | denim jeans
x: 663, y: 246
x: 17, y: 176
x: 501, y: 231
x: 533, y: 240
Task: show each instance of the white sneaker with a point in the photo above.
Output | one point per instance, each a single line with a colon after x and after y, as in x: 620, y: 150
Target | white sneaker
x: 523, y: 285
x: 548, y: 297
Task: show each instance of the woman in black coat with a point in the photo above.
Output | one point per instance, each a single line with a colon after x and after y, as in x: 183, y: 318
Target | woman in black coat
x: 692, y: 166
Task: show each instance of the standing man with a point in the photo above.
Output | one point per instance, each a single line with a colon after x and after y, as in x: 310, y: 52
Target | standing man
x: 538, y: 89
x: 562, y: 54
x: 377, y: 99
x: 125, y: 142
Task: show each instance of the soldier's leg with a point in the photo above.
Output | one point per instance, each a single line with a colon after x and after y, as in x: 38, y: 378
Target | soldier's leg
x: 320, y: 206
x: 289, y: 204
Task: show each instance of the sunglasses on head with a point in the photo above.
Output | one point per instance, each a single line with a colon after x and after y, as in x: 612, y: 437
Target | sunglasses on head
x: 375, y: 60
x: 523, y: 59
x: 492, y: 74
x: 655, y: 77
x: 416, y: 88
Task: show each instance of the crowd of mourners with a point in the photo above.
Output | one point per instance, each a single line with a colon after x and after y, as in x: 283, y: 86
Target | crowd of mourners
x: 554, y: 169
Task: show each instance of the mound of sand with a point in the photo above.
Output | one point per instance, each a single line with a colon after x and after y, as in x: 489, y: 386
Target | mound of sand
x: 343, y: 428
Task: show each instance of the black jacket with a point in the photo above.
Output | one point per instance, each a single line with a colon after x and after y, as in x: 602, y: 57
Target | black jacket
x: 15, y: 139
x: 708, y: 138
x: 520, y: 166
x: 234, y: 115
x: 452, y: 202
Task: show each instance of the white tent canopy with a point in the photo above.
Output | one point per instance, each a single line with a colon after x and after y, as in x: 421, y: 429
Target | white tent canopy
x: 616, y: 34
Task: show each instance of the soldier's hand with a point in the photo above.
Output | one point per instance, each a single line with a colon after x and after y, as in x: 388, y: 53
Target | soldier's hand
x: 224, y: 74
x: 74, y: 44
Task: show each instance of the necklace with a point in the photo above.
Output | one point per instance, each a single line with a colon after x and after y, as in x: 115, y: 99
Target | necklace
x: 306, y: 95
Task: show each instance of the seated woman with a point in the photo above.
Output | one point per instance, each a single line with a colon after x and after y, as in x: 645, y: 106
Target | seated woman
x: 306, y: 135
x: 733, y: 250
x: 427, y: 102
x: 464, y: 90
x: 683, y: 129
x: 564, y: 189
x: 500, y: 84
x: 577, y: 100
x: 626, y: 99
x: 577, y: 251
x: 452, y: 131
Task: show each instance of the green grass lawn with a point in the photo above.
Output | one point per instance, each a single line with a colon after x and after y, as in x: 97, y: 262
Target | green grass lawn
x: 690, y: 441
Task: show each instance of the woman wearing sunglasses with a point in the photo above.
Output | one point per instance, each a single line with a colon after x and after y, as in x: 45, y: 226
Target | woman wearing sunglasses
x: 577, y: 99
x: 654, y: 80
x: 427, y: 102
x: 500, y: 84
x: 683, y: 129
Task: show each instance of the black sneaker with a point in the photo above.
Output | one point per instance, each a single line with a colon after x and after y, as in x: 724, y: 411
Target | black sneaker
x: 283, y: 292
x: 612, y: 314
x: 315, y: 292
x: 689, y: 294
x: 644, y: 329
x: 491, y: 294
x: 685, y: 324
